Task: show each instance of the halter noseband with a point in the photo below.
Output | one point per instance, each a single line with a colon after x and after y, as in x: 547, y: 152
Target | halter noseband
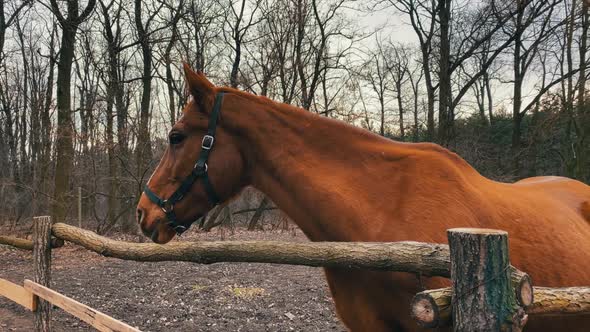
x: 200, y: 170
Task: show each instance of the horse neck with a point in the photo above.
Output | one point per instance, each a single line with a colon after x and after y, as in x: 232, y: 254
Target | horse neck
x: 327, y: 176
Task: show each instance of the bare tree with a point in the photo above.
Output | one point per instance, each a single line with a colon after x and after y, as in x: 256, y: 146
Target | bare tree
x: 238, y: 19
x: 400, y: 74
x: 378, y: 74
x: 423, y: 18
x: 7, y: 21
x: 532, y: 28
x: 69, y: 21
x: 143, y: 153
x: 176, y: 13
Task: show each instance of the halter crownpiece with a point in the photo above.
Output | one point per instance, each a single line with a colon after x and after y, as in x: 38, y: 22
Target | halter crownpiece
x: 200, y: 171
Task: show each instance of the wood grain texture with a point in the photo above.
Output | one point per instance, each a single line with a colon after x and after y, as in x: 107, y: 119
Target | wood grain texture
x: 18, y: 294
x: 424, y: 258
x: 483, y: 297
x: 93, y: 317
x: 523, y: 286
x: 560, y: 301
x: 16, y: 242
x: 27, y: 244
x: 42, y: 268
x: 547, y: 301
x: 432, y: 308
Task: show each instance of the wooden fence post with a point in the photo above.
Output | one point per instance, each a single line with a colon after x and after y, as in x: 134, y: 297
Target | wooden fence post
x: 483, y: 298
x: 42, y: 269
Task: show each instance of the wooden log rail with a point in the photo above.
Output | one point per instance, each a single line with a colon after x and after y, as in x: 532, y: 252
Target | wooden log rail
x: 416, y: 257
x: 432, y: 308
x: 27, y: 244
x: 424, y: 258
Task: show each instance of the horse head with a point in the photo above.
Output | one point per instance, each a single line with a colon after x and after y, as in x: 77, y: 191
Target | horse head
x: 202, y: 165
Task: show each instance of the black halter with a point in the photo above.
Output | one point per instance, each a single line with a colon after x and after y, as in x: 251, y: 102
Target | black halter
x: 199, y: 171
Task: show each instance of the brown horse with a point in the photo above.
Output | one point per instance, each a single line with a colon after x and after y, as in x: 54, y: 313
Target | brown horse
x: 342, y: 183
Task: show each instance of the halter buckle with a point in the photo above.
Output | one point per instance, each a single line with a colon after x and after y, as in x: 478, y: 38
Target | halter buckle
x: 167, y: 207
x: 207, y: 142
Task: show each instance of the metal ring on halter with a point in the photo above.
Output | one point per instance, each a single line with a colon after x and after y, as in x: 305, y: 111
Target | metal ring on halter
x: 167, y: 207
x: 179, y: 229
x: 205, y: 168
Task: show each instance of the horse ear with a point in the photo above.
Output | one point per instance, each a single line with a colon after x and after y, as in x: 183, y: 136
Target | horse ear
x: 202, y: 90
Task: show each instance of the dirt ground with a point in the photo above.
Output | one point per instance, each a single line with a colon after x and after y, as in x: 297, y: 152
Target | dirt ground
x: 180, y: 296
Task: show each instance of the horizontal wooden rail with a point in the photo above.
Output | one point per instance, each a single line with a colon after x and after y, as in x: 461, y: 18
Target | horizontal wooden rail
x: 432, y: 308
x: 560, y: 301
x: 91, y: 316
x: 427, y: 259
x: 18, y: 294
x: 26, y: 244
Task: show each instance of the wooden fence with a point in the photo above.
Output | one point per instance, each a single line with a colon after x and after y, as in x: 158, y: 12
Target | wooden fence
x: 474, y: 259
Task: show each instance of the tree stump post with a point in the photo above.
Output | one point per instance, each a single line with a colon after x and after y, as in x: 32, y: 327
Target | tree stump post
x: 42, y: 269
x: 483, y: 297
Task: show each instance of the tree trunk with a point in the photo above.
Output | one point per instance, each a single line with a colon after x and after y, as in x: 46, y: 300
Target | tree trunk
x: 517, y: 92
x: 112, y: 164
x: 445, y: 116
x: 298, y: 50
x: 401, y: 111
x: 583, y: 114
x: 382, y: 114
x: 143, y: 149
x: 65, y: 126
x: 233, y: 78
x: 45, y: 118
x: 486, y: 79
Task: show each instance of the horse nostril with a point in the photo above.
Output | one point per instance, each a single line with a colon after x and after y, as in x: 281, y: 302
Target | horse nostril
x: 139, y: 216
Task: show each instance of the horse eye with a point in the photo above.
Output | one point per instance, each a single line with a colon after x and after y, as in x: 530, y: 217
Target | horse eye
x: 176, y: 138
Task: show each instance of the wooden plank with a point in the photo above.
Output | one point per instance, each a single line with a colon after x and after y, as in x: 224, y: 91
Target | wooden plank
x: 18, y: 294
x: 93, y: 317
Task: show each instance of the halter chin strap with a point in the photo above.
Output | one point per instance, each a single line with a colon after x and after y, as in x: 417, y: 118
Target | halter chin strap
x: 200, y: 171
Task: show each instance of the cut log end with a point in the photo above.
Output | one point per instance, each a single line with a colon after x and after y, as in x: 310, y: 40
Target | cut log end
x: 524, y: 291
x: 467, y: 230
x: 523, y: 287
x: 431, y: 308
x: 26, y: 244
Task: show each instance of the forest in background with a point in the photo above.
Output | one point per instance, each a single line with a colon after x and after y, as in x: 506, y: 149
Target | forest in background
x: 90, y: 88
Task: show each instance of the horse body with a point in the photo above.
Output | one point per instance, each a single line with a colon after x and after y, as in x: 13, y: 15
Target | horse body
x: 341, y: 183
x: 359, y: 187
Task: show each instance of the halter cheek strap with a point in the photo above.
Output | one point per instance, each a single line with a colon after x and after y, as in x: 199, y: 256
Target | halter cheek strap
x: 200, y: 171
